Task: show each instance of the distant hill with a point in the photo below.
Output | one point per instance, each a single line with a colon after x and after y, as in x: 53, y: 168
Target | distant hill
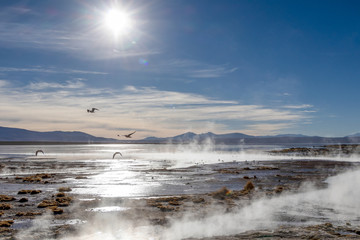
x: 289, y: 135
x: 354, y: 135
x: 239, y: 138
x: 23, y: 135
x: 190, y: 137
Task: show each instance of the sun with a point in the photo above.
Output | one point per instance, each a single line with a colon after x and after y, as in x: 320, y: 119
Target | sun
x: 118, y: 22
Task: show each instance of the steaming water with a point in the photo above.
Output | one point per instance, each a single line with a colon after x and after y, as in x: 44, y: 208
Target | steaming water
x: 137, y: 173
x: 338, y: 204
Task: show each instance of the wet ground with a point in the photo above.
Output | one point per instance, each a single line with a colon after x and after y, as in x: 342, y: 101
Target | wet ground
x: 50, y: 198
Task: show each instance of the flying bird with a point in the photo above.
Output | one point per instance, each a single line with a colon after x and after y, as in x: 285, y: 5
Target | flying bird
x: 38, y: 151
x: 116, y: 153
x: 128, y: 135
x: 92, y: 110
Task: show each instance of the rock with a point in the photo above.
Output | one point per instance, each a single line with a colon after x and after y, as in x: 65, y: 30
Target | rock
x: 5, y: 206
x: 27, y: 214
x: 47, y: 203
x: 279, y: 189
x: 35, y: 192
x: 56, y: 210
x: 6, y: 223
x: 221, y: 194
x: 6, y: 198
x: 64, y: 189
x: 249, y: 186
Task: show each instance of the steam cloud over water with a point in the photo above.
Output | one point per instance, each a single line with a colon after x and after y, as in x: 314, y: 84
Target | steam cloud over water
x: 338, y: 203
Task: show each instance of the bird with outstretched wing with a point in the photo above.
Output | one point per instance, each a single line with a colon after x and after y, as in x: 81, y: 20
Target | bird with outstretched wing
x: 128, y: 135
x: 116, y: 153
x: 39, y: 151
x: 92, y: 110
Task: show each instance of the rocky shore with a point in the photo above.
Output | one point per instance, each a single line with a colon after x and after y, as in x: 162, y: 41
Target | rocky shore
x: 326, y: 150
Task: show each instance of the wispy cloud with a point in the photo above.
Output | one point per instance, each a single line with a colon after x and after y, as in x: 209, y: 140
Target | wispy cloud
x: 45, y: 85
x: 210, y: 72
x: 40, y: 69
x: 196, y: 69
x: 3, y: 83
x: 81, y: 43
x: 302, y: 106
x: 156, y: 112
x: 90, y: 41
x: 189, y: 68
x: 268, y: 128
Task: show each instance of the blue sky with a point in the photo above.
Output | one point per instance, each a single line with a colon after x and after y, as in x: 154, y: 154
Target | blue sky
x: 255, y: 67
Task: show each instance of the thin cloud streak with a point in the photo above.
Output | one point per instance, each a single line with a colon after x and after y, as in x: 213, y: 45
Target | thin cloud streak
x: 49, y: 70
x: 162, y: 113
x: 92, y: 43
x: 79, y: 43
x: 298, y: 106
x: 68, y: 84
x: 175, y: 69
x: 195, y: 69
x: 268, y: 128
x: 3, y: 83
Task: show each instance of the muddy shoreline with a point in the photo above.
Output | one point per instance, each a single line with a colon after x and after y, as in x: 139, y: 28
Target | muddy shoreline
x: 343, y: 150
x: 49, y: 195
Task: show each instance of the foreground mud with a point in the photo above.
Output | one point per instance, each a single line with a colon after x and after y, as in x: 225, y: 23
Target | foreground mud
x: 48, y: 195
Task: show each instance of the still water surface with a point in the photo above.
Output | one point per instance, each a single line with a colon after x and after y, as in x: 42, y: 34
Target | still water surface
x: 146, y: 170
x: 137, y: 173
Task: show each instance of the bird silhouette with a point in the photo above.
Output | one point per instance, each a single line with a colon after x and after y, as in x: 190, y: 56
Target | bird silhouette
x: 38, y: 151
x: 92, y: 110
x: 128, y: 135
x: 116, y: 153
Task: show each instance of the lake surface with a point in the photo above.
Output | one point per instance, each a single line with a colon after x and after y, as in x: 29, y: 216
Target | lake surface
x: 132, y: 174
x: 148, y: 170
x: 136, y: 173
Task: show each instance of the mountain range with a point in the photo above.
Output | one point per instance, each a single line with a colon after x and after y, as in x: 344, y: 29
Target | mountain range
x: 239, y: 138
x: 23, y: 135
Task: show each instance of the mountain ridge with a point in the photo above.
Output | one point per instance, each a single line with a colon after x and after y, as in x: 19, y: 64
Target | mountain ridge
x: 240, y: 138
x: 22, y: 135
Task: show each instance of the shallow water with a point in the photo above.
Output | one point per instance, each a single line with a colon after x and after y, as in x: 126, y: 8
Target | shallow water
x: 146, y: 170
x: 141, y: 171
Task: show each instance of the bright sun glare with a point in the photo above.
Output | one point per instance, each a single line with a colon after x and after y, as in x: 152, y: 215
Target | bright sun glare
x: 118, y: 22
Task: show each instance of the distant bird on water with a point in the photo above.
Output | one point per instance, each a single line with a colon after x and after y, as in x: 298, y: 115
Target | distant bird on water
x: 128, y: 135
x: 38, y: 151
x: 92, y: 110
x: 117, y: 153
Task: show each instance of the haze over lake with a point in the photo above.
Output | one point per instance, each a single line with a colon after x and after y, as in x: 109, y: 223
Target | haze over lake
x: 145, y: 171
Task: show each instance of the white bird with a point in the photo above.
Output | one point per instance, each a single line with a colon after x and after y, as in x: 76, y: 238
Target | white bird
x: 116, y: 153
x: 92, y: 110
x: 38, y: 151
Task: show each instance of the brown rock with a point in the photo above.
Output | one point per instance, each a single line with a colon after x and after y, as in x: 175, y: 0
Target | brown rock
x: 56, y: 210
x: 23, y: 200
x: 6, y: 223
x: 64, y: 189
x: 35, y: 192
x: 5, y: 206
x: 6, y: 198
x: 47, y: 203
